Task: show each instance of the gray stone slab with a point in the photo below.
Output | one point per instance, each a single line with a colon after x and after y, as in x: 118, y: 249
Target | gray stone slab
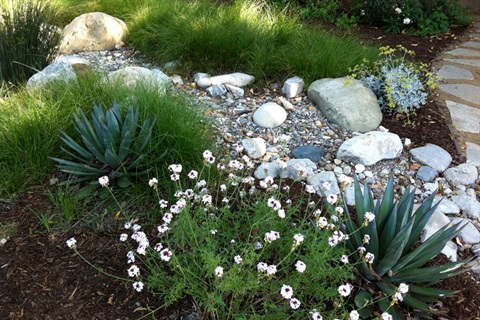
x: 433, y: 156
x: 472, y: 44
x: 452, y: 72
x: 473, y: 153
x: 464, y: 118
x: 466, y: 92
x: 468, y: 62
x: 464, y: 52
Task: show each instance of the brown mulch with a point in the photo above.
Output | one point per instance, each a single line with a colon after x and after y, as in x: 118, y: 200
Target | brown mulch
x: 40, y: 278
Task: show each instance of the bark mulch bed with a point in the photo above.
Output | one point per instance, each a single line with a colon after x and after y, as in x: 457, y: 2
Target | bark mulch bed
x: 40, y: 278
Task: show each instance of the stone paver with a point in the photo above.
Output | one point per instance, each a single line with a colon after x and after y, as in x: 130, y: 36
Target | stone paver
x: 473, y: 153
x: 464, y: 118
x: 463, y: 91
x: 472, y: 44
x: 459, y: 69
x: 452, y: 72
x: 468, y: 62
x: 464, y: 52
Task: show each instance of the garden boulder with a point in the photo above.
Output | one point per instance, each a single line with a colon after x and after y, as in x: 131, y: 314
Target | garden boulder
x: 92, y: 32
x: 347, y: 103
x: 57, y: 71
x: 132, y: 76
x: 371, y: 147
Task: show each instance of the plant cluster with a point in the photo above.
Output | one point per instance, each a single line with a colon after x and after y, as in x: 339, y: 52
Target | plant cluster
x: 389, y: 232
x: 400, y: 86
x: 113, y: 145
x: 27, y: 39
x: 243, y: 249
x: 418, y: 17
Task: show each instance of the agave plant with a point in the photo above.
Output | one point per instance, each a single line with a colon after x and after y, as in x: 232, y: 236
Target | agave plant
x: 399, y: 257
x: 111, y: 146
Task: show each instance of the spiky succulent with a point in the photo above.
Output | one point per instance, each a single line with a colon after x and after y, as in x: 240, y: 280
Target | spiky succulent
x: 110, y: 146
x: 399, y: 257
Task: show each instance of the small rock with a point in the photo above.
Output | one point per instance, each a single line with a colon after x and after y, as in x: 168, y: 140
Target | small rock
x: 267, y: 169
x: 308, y: 152
x: 462, y: 174
x: 426, y: 173
x: 234, y: 79
x: 359, y: 168
x: 216, y: 90
x: 255, y: 148
x: 470, y: 206
x: 269, y: 115
x: 319, y: 180
x: 298, y: 169
x: 292, y: 87
x: 433, y: 156
x: 469, y: 233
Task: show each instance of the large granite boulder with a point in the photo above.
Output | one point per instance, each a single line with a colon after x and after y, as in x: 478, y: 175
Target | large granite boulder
x: 92, y: 32
x: 346, y: 102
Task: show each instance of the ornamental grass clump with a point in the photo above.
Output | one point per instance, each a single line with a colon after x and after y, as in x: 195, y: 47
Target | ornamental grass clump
x: 111, y: 145
x: 27, y: 39
x: 385, y: 239
x: 400, y: 86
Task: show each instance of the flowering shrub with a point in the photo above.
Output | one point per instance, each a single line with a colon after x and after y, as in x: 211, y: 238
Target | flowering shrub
x: 238, y: 251
x: 400, y: 86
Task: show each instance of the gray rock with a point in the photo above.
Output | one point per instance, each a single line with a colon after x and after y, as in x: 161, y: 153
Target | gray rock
x: 468, y: 62
x: 469, y: 233
x: 216, y: 90
x: 426, y: 173
x: 255, y: 148
x: 91, y: 32
x: 433, y: 156
x: 371, y: 147
x: 269, y: 115
x: 298, y: 169
x: 236, y: 91
x: 267, y: 169
x: 177, y: 80
x: 470, y: 206
x: 317, y: 181
x: 292, y: 87
x: 462, y: 174
x: 437, y: 221
x: 72, y: 60
x: 450, y: 251
x: 313, y: 153
x: 235, y: 79
x: 349, y: 194
x: 199, y: 75
x: 472, y: 44
x: 134, y: 76
x: 446, y: 206
x: 57, y: 71
x: 473, y: 154
x: 346, y: 102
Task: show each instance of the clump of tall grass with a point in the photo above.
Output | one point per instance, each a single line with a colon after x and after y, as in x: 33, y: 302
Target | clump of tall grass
x: 245, y: 36
x: 27, y: 38
x: 31, y: 122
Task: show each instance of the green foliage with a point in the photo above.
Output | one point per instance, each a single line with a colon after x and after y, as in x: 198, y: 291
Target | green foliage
x: 218, y: 238
x: 27, y: 38
x: 113, y: 146
x: 394, y: 235
x: 400, y: 86
x: 435, y: 23
x: 31, y: 121
x: 246, y: 36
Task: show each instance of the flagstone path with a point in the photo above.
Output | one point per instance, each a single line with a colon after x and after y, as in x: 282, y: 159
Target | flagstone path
x: 459, y: 90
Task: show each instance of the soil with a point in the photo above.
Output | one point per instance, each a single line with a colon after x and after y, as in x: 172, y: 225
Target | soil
x: 40, y: 278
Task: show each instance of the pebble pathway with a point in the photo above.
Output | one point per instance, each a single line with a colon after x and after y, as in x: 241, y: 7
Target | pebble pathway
x: 459, y: 69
